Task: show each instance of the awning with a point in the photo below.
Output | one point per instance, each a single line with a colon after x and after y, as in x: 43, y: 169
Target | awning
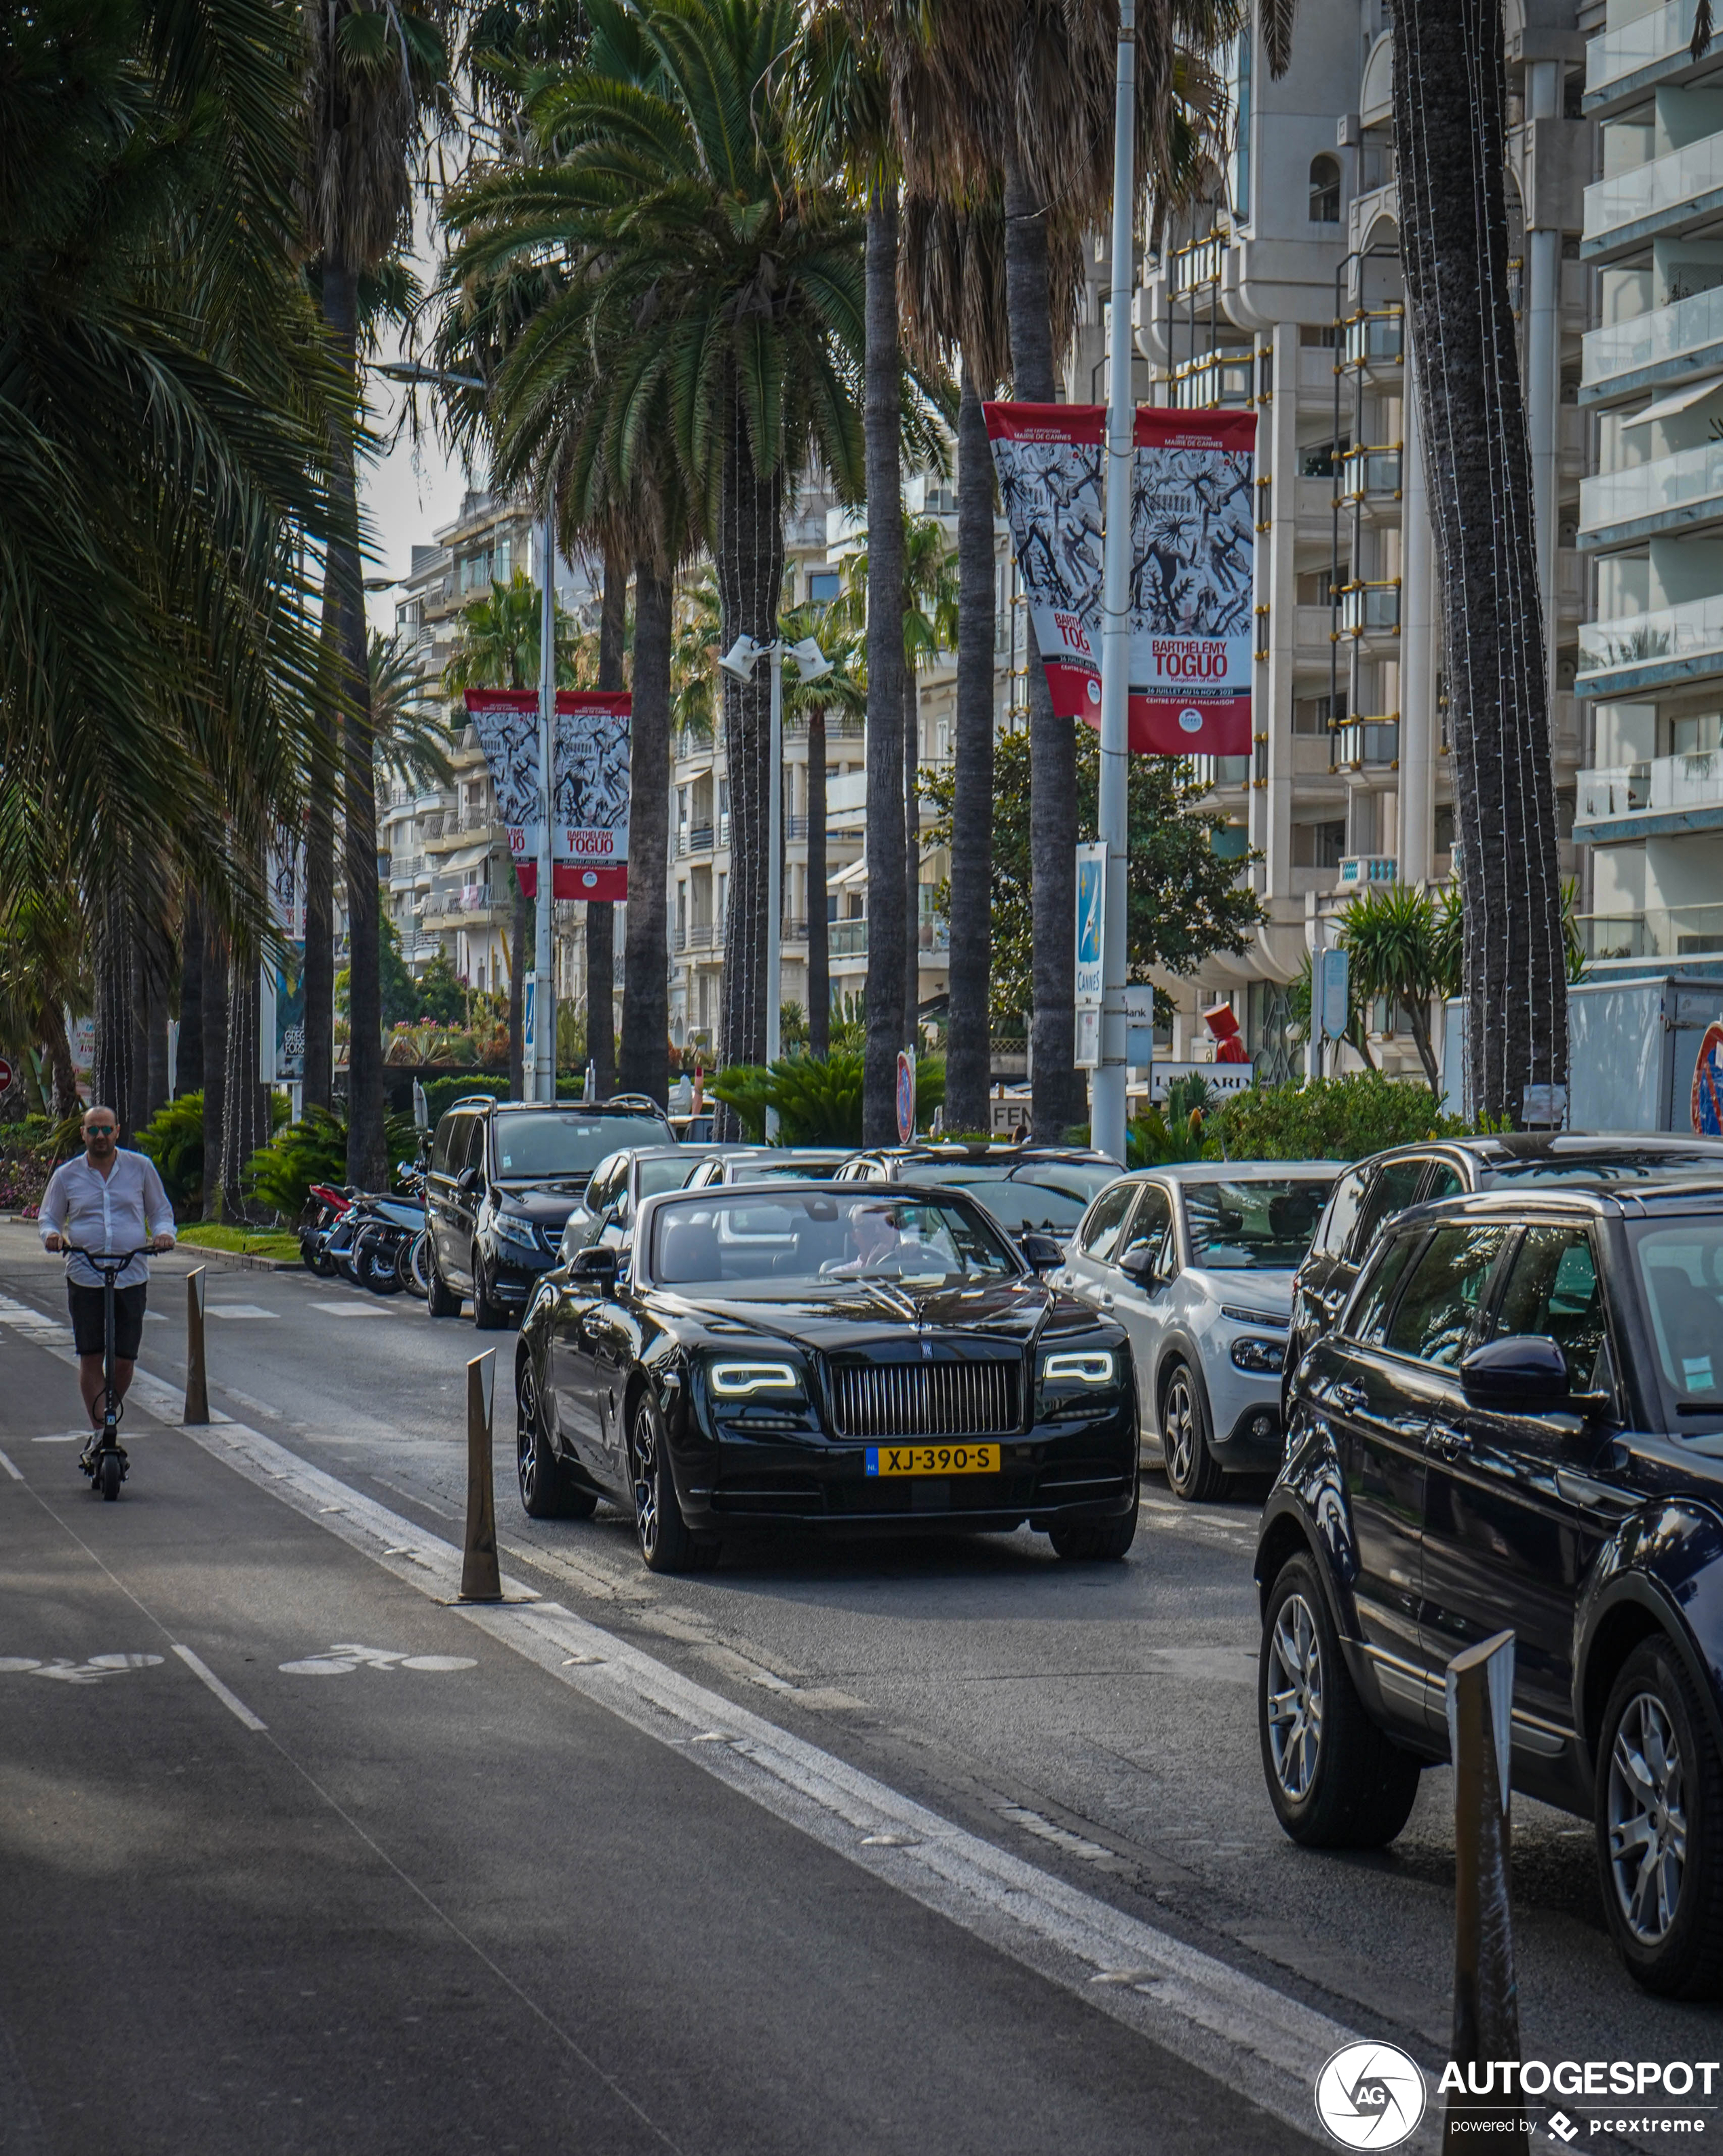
x: 856, y: 873
x: 1666, y: 407
x: 468, y: 857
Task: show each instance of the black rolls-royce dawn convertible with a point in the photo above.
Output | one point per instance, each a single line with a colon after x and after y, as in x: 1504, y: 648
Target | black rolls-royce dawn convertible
x: 831, y: 1354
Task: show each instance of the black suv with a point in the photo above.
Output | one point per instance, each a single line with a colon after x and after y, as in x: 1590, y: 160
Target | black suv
x: 1517, y: 1422
x: 503, y: 1179
x: 1387, y: 1183
x: 1029, y: 1189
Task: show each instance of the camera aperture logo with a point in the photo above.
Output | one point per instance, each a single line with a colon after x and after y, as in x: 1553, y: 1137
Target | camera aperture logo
x: 1370, y: 2096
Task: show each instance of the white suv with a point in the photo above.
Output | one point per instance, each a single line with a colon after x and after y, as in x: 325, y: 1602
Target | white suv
x: 1197, y: 1263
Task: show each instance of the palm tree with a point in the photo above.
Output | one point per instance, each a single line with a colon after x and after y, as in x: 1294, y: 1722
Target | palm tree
x: 844, y: 689
x: 373, y: 69
x: 717, y: 286
x: 953, y: 290
x: 1449, y: 93
x: 410, y: 739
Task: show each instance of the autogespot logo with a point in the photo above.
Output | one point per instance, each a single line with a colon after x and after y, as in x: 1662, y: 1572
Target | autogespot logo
x: 1370, y: 2096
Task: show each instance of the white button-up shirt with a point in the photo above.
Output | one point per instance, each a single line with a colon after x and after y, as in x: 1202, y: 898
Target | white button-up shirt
x: 122, y: 1210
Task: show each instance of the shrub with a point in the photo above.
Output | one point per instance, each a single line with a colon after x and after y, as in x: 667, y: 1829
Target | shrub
x: 280, y: 1175
x: 174, y: 1140
x: 1328, y: 1119
x: 818, y: 1101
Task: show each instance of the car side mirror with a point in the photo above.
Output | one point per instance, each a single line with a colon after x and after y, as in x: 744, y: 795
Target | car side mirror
x: 467, y: 1179
x: 1040, y: 1253
x: 595, y: 1267
x: 1525, y: 1371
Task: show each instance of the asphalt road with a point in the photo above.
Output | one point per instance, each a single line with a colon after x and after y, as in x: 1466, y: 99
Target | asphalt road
x: 516, y: 1903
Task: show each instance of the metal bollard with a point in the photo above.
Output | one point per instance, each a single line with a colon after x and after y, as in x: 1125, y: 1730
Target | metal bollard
x: 197, y: 1379
x: 481, y: 1579
x: 1486, y: 2000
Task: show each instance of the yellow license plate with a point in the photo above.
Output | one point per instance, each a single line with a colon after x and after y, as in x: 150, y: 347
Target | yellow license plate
x: 933, y: 1460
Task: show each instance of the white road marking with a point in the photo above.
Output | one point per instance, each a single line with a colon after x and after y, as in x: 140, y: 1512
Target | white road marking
x: 235, y: 1706
x: 373, y: 1309
x: 1061, y: 1837
x: 341, y: 1661
x: 237, y: 1310
x: 86, y: 1673
x: 13, y: 1665
x: 12, y: 1471
x: 1241, y: 2032
x: 61, y: 1437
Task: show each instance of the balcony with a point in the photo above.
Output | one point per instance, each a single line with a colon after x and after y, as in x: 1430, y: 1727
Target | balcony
x: 1669, y: 345
x: 1670, y: 931
x: 1653, y: 651
x: 847, y: 939
x: 1371, y: 474
x: 1357, y: 871
x: 1639, y: 55
x: 693, y: 838
x: 1214, y: 378
x: 1668, y: 493
x: 1664, y: 196
x: 1363, y: 744
x: 1376, y: 338
x: 1195, y: 267
x: 1657, y: 799
x: 1371, y: 609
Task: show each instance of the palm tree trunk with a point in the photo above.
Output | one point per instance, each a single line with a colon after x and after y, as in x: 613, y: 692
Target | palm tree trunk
x: 64, y: 1094
x: 1449, y: 92
x: 884, y: 842
x: 646, y: 985
x: 188, y: 1064
x: 245, y: 1125
x: 912, y: 859
x: 819, y: 942
x: 215, y: 1064
x: 322, y: 787
x: 968, y: 1033
x: 366, y: 1165
x: 1057, y: 1100
x: 601, y: 914
x: 155, y: 1044
x: 116, y: 983
x: 750, y: 557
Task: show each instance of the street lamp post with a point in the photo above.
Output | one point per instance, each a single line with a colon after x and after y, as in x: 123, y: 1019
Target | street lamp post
x: 1107, y: 1108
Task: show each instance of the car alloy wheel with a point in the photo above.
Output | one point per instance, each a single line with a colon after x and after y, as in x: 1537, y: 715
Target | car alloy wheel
x: 644, y: 1459
x: 1294, y: 1697
x: 1647, y: 1819
x: 1179, y: 1431
x: 533, y: 1467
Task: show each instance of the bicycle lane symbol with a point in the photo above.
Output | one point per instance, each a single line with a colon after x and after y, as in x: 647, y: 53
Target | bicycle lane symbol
x: 341, y: 1660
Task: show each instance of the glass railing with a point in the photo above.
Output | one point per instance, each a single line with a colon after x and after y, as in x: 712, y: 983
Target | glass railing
x: 1666, y: 782
x: 1198, y: 263
x: 1370, y: 609
x: 1376, y: 338
x: 1663, y: 183
x: 1688, y: 477
x: 1612, y: 790
x: 1361, y: 740
x: 1655, y: 37
x: 1665, y: 334
x: 1213, y: 378
x: 1689, y: 631
x: 1369, y: 474
x: 1669, y: 931
x: 848, y: 939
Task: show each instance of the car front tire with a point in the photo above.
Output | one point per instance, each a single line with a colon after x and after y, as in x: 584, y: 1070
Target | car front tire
x: 1335, y: 1780
x: 489, y: 1314
x: 1658, y: 1809
x: 1192, y: 1471
x: 440, y: 1300
x: 667, y: 1544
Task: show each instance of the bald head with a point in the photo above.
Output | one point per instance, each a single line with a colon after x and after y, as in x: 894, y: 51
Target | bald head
x: 102, y: 1131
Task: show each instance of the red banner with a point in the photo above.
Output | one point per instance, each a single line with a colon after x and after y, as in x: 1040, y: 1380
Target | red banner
x: 1193, y: 533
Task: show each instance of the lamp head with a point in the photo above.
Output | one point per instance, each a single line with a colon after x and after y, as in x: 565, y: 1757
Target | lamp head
x: 810, y: 661
x: 742, y: 656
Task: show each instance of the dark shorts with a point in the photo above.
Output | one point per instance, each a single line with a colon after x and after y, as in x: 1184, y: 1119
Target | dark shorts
x: 88, y: 1334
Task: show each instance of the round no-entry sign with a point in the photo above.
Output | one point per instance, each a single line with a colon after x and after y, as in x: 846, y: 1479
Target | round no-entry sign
x: 5, y: 1074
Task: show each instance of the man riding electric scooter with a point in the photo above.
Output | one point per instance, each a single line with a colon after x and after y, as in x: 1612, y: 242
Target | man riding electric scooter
x: 107, y: 1201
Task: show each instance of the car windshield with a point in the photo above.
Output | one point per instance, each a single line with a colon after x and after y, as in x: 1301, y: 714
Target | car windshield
x: 1681, y: 1272
x: 535, y: 1145
x: 758, y: 1166
x: 1254, y: 1227
x: 1613, y: 1166
x: 1043, y: 1194
x: 823, y: 1237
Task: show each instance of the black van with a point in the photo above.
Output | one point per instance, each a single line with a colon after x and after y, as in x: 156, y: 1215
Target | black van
x: 504, y: 1177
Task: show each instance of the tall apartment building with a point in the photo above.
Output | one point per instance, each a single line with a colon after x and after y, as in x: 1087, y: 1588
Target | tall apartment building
x: 1651, y: 658
x: 1285, y: 294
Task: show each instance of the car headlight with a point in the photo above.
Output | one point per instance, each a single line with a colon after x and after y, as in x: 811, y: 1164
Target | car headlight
x: 1089, y: 1366
x: 1264, y: 1357
x: 741, y: 1381
x: 1252, y: 1317
x: 513, y: 1228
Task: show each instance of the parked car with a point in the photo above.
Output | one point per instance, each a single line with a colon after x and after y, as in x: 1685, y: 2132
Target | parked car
x: 1517, y: 1422
x: 765, y: 1163
x: 1197, y: 1263
x: 502, y: 1180
x: 828, y: 1355
x: 620, y: 1182
x: 1387, y: 1183
x: 1041, y: 1190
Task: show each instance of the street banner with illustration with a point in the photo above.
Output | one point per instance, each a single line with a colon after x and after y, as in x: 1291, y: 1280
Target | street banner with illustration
x: 281, y: 1015
x: 589, y: 835
x: 1193, y: 536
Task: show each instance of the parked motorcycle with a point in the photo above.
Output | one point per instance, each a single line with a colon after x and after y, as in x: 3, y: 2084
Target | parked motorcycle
x: 386, y: 1233
x: 325, y: 1207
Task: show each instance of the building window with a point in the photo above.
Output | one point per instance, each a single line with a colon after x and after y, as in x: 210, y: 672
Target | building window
x: 1324, y: 190
x: 1318, y: 845
x: 822, y: 586
x: 1315, y: 715
x: 1318, y: 336
x: 1239, y: 86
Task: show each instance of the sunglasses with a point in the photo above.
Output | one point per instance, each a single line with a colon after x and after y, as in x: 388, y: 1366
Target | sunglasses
x: 99, y: 1129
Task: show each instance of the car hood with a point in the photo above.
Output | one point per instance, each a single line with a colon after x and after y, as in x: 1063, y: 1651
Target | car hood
x: 548, y: 1205
x: 1270, y: 1293
x: 852, y: 1314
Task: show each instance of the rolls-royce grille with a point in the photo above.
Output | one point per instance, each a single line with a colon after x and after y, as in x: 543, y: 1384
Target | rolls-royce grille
x: 926, y: 1399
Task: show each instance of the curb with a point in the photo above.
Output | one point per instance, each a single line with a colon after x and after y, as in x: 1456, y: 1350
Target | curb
x: 242, y: 1261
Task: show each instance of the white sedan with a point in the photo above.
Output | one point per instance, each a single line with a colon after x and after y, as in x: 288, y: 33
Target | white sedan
x: 1196, y: 1262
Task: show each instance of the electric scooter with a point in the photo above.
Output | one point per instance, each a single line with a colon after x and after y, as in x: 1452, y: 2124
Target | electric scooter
x: 104, y: 1461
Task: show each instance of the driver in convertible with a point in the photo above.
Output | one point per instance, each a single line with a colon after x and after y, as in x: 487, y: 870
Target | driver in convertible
x: 881, y: 1246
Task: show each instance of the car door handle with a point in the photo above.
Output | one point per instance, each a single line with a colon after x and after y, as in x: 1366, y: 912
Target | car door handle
x: 1449, y: 1442
x: 1104, y: 1299
x: 1348, y: 1396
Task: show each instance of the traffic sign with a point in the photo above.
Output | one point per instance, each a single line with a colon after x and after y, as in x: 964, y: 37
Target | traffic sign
x: 5, y: 1074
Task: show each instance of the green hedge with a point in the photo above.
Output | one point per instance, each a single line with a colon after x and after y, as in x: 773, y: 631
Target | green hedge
x: 1326, y: 1119
x: 441, y: 1093
x: 818, y: 1099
